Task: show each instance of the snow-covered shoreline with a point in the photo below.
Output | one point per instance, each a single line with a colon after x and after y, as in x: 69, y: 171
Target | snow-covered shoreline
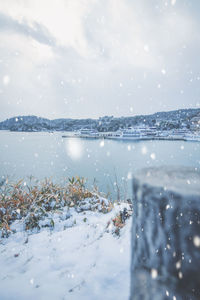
x: 80, y: 258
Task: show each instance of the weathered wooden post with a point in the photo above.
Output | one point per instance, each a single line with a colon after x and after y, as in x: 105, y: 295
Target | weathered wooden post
x: 166, y: 234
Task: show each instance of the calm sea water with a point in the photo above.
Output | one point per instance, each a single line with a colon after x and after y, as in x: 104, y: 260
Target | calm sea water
x: 107, y: 161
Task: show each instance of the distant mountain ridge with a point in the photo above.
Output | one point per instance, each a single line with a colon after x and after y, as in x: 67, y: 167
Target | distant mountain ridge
x: 162, y: 120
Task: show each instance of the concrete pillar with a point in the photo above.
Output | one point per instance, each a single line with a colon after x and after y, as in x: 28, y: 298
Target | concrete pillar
x: 166, y: 234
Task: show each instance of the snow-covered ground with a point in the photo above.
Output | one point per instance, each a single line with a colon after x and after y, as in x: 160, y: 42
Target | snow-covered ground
x: 80, y: 258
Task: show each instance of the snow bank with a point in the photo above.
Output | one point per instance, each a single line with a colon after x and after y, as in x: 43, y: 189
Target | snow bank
x: 77, y: 258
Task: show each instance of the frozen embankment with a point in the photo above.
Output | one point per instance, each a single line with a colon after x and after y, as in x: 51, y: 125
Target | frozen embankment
x: 78, y: 253
x: 166, y: 235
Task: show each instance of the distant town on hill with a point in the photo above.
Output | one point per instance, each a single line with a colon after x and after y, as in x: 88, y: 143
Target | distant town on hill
x: 177, y: 119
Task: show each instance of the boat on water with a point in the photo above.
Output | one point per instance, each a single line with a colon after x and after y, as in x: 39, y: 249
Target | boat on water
x: 83, y: 133
x: 130, y: 133
x: 192, y: 137
x: 73, y: 134
x: 184, y: 134
x: 88, y: 133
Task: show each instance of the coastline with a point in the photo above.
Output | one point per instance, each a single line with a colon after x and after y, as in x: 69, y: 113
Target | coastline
x: 158, y: 138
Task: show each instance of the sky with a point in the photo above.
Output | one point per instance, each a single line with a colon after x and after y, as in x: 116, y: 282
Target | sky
x: 90, y: 58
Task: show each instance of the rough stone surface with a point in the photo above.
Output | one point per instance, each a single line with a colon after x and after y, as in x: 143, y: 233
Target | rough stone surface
x: 166, y: 234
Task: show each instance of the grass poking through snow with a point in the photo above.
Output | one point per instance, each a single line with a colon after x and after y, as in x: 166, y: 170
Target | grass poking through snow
x: 32, y: 202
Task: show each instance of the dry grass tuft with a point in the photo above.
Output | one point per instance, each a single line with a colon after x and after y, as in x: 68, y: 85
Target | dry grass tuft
x: 32, y: 202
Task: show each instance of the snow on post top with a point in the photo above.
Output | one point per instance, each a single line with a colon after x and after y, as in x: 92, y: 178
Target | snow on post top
x: 184, y: 180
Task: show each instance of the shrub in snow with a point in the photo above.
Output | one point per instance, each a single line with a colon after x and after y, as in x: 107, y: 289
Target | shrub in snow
x: 34, y: 203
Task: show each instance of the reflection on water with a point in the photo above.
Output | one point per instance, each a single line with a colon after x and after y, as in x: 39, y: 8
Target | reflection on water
x: 110, y: 162
x: 74, y: 148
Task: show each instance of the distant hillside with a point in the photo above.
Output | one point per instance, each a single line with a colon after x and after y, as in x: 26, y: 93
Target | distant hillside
x: 34, y: 123
x: 161, y: 120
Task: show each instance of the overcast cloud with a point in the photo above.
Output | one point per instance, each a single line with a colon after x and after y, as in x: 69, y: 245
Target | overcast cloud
x: 89, y: 58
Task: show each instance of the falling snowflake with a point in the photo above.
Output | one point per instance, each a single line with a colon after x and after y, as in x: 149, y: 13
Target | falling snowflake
x: 146, y: 48
x: 196, y: 241
x: 154, y: 273
x: 153, y: 156
x: 129, y: 175
x: 6, y: 80
x: 144, y: 150
x: 102, y: 143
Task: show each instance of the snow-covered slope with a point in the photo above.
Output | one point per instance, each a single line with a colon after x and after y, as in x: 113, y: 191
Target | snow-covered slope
x: 80, y: 258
